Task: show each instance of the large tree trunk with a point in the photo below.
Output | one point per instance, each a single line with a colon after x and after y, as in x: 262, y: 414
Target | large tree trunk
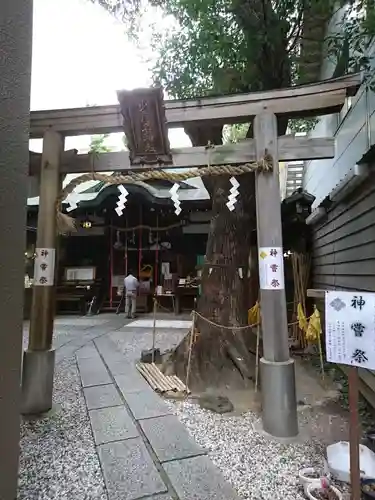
x: 219, y: 354
x: 226, y: 284
x: 315, y: 19
x: 225, y: 297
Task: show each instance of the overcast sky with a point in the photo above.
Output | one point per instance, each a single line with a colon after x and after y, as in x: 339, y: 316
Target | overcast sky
x: 81, y: 56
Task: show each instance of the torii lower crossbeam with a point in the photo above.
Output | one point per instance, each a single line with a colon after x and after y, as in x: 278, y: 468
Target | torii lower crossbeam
x: 290, y: 149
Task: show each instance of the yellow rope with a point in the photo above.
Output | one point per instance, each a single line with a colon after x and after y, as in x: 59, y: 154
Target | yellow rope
x: 245, y: 327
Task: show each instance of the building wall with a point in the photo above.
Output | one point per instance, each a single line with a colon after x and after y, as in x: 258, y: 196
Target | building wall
x: 344, y: 243
x: 354, y: 136
x: 353, y: 128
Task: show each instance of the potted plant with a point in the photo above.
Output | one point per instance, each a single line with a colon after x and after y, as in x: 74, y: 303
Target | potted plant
x: 322, y: 491
x: 368, y: 488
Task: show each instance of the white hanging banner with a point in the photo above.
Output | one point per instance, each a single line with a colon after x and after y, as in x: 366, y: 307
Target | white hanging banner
x: 350, y: 327
x: 271, y: 268
x: 44, y: 266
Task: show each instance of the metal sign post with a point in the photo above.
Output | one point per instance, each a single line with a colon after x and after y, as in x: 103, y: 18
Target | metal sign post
x: 354, y: 433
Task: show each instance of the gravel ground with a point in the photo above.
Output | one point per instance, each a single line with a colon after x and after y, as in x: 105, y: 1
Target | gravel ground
x: 131, y: 340
x: 258, y: 468
x: 58, y: 458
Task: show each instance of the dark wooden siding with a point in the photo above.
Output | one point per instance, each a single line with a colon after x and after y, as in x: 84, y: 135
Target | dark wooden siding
x: 344, y: 256
x: 343, y: 246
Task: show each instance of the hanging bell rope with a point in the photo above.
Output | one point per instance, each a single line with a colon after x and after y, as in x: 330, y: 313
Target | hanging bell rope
x: 66, y: 224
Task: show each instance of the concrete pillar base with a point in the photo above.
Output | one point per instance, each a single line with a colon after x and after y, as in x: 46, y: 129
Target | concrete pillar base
x: 279, y: 405
x: 37, y: 381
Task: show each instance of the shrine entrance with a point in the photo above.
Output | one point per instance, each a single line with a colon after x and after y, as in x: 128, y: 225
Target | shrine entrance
x: 144, y: 117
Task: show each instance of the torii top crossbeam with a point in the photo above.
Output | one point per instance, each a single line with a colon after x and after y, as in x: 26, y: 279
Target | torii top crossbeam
x: 320, y: 98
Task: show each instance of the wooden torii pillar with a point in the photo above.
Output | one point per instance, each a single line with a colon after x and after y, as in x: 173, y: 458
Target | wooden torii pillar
x: 279, y: 407
x: 277, y: 369
x: 39, y: 358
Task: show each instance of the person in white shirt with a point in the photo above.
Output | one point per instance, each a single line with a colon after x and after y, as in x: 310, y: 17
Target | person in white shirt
x: 131, y: 286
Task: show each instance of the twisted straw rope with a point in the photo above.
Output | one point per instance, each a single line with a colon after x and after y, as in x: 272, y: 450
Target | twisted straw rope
x: 264, y: 165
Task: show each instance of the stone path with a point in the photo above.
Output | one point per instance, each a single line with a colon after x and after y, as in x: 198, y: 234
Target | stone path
x: 109, y: 436
x: 144, y: 451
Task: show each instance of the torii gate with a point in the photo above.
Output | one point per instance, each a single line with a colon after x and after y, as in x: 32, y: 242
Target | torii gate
x: 277, y: 368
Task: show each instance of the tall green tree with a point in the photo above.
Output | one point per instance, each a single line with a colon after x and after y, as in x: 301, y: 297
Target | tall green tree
x: 230, y: 46
x: 98, y: 144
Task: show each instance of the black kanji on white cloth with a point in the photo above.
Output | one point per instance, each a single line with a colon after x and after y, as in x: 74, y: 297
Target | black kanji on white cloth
x: 359, y: 356
x: 358, y: 328
x: 358, y: 302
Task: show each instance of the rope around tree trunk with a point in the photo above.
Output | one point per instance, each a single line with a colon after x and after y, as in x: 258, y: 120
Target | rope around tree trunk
x: 66, y: 224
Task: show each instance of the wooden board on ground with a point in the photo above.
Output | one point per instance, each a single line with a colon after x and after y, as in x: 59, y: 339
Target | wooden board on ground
x: 159, y: 382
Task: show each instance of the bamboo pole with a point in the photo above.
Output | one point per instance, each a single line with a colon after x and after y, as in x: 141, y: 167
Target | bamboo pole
x: 157, y: 252
x: 126, y: 248
x: 140, y: 243
x: 257, y: 355
x: 190, y: 351
x: 111, y: 267
x: 154, y: 330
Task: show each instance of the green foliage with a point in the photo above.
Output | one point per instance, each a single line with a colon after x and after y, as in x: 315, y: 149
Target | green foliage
x: 234, y: 133
x: 217, y: 47
x: 97, y: 144
x: 302, y: 125
x: 220, y: 46
x: 349, y: 45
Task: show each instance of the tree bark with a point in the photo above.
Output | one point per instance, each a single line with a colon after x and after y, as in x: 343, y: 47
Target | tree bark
x: 315, y: 19
x: 228, y: 275
x: 225, y: 284
x: 225, y: 280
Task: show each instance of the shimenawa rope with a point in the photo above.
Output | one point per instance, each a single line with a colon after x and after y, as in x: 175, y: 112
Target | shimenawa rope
x: 265, y: 164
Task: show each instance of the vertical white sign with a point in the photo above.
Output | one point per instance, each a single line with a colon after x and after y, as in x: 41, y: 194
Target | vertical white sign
x: 350, y: 328
x: 271, y: 268
x: 44, y: 267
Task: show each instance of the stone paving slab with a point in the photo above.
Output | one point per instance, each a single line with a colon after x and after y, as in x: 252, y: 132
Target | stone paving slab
x: 169, y: 438
x: 102, y: 396
x: 119, y: 367
x: 159, y: 497
x: 161, y: 323
x: 131, y: 381
x: 114, y: 359
x: 129, y: 471
x: 93, y: 372
x: 112, y: 424
x: 88, y: 351
x: 198, y: 479
x: 146, y: 404
x: 80, y: 321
